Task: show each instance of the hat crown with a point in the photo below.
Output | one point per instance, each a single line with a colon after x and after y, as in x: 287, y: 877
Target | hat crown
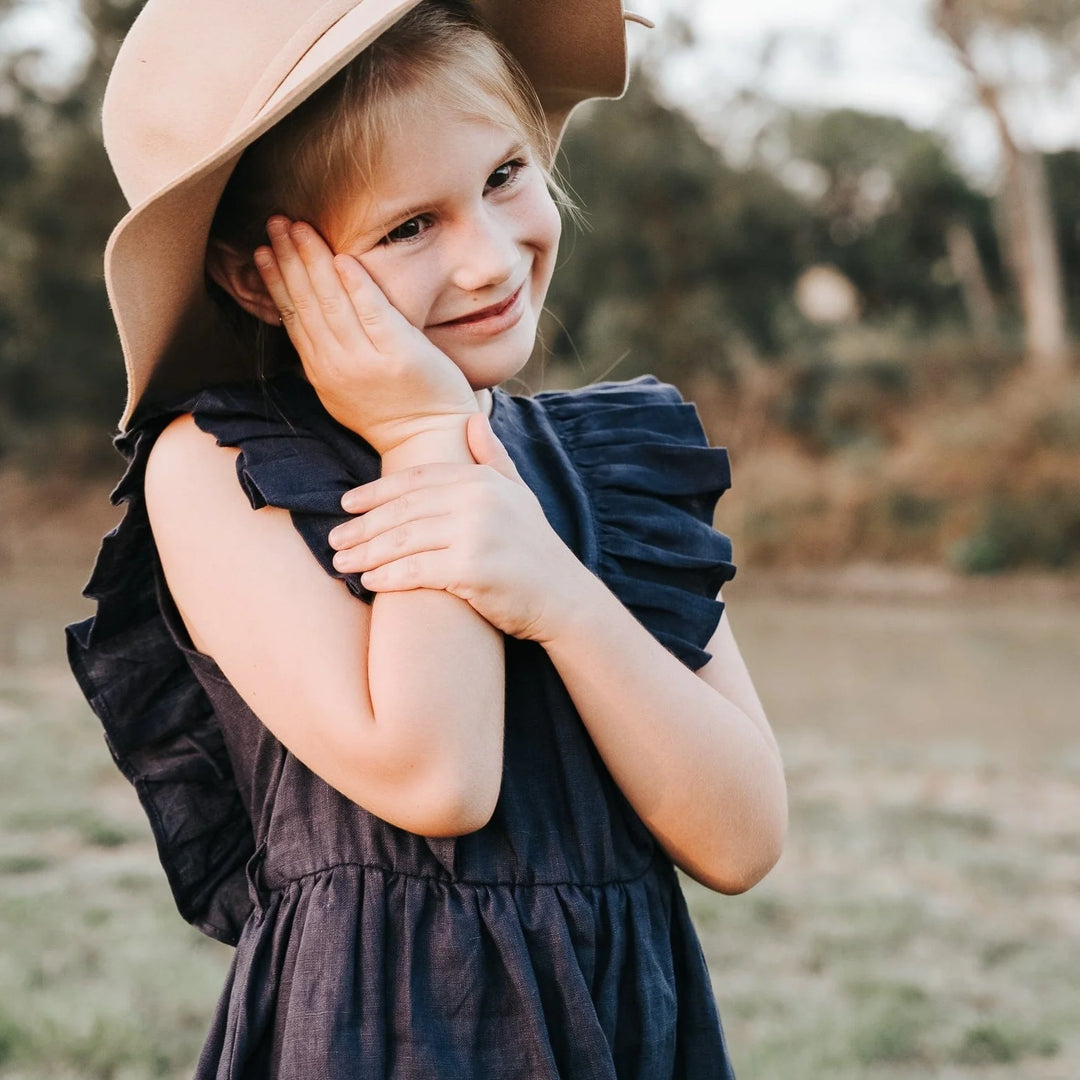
x: 190, y: 72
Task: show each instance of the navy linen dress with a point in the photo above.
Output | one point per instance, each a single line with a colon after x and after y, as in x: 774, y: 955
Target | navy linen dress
x: 552, y: 943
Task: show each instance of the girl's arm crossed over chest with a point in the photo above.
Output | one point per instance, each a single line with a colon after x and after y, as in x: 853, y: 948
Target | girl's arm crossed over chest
x: 398, y: 705
x: 692, y: 752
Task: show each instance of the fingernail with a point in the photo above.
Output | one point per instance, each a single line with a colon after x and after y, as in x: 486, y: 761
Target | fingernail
x: 353, y: 501
x: 264, y: 258
x: 277, y: 227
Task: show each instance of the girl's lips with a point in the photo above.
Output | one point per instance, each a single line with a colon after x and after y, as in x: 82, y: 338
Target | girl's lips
x: 488, y: 318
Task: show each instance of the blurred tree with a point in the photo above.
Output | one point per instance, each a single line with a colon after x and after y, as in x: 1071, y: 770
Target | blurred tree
x: 892, y: 213
x: 683, y: 258
x: 16, y: 167
x: 59, y: 354
x: 1063, y: 177
x: 1026, y: 215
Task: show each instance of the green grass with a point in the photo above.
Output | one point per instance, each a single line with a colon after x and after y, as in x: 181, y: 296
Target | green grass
x: 99, y: 978
x: 928, y: 925
x: 923, y: 922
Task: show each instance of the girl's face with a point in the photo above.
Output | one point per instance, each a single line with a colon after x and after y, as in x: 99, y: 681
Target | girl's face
x: 460, y: 232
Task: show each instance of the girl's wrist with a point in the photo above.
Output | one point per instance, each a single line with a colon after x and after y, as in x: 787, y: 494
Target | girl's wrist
x: 446, y: 441
x: 575, y: 598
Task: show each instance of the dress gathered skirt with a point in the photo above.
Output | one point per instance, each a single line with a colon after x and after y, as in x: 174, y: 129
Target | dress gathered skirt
x: 552, y: 944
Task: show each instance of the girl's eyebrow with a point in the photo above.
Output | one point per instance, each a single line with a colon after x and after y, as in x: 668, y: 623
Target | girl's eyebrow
x: 392, y: 218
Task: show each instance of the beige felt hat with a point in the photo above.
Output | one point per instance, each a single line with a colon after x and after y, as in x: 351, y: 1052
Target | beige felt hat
x: 197, y: 81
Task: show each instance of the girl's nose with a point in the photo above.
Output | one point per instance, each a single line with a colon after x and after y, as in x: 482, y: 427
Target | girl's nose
x: 486, y: 252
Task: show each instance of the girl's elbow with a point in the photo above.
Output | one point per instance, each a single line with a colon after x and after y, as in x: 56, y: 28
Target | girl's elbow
x: 445, y: 800
x: 746, y: 875
x: 460, y: 792
x: 733, y: 879
x: 461, y: 806
x: 439, y: 784
x: 737, y: 871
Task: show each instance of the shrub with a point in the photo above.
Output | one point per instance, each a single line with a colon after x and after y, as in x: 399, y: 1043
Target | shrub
x: 1041, y: 530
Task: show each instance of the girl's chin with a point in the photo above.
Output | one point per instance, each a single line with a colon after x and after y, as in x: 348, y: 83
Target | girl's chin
x: 499, y: 369
x: 489, y: 362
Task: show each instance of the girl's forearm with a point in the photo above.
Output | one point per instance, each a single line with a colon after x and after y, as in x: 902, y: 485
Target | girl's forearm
x: 703, y: 774
x: 431, y: 655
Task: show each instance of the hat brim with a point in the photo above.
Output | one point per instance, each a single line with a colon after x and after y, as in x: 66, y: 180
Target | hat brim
x: 170, y: 331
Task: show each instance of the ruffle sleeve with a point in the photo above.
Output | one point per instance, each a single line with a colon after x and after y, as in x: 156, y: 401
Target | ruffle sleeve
x: 293, y: 455
x: 653, y: 482
x: 159, y: 723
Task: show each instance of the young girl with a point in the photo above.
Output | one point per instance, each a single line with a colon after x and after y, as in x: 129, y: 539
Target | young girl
x: 424, y: 686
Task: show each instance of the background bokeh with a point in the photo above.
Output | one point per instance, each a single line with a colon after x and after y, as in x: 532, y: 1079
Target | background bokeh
x: 853, y: 239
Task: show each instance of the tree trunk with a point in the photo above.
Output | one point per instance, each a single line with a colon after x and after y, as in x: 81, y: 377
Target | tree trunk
x: 1027, y: 220
x: 968, y: 268
x: 1034, y: 257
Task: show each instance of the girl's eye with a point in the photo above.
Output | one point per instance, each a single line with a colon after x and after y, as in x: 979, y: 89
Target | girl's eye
x: 412, y: 229
x: 503, y: 177
x: 505, y: 174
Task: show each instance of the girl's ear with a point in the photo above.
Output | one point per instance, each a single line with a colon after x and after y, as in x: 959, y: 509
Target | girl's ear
x: 236, y: 273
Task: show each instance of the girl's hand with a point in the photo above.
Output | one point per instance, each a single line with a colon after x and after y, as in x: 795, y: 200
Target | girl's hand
x: 374, y: 371
x: 476, y: 531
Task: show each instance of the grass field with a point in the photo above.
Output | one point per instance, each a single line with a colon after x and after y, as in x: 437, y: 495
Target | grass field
x: 923, y: 922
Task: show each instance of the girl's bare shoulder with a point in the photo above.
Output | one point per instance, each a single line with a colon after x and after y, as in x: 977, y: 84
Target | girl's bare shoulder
x: 186, y: 459
x: 217, y: 553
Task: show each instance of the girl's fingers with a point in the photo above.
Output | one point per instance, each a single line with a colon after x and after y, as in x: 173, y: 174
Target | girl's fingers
x: 291, y: 270
x: 333, y: 303
x: 380, y: 320
x: 423, y: 570
x: 391, y: 486
x: 412, y: 537
x: 486, y: 449
x: 267, y: 264
x: 304, y: 309
x: 431, y: 501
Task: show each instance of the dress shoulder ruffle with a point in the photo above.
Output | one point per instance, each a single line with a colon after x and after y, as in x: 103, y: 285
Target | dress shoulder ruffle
x: 293, y: 455
x: 653, y: 482
x: 159, y: 723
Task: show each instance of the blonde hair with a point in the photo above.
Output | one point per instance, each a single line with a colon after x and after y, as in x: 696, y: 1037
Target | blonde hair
x: 316, y: 158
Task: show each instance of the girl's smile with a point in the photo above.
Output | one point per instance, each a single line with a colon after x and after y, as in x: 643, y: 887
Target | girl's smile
x: 460, y: 232
x: 490, y: 320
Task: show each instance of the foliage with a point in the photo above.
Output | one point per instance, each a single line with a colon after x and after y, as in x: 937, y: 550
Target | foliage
x: 683, y: 255
x: 835, y: 406
x: 1056, y: 21
x: 1063, y: 177
x: 1038, y: 529
x: 59, y: 357
x: 689, y: 262
x: 888, y: 195
x: 992, y: 41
